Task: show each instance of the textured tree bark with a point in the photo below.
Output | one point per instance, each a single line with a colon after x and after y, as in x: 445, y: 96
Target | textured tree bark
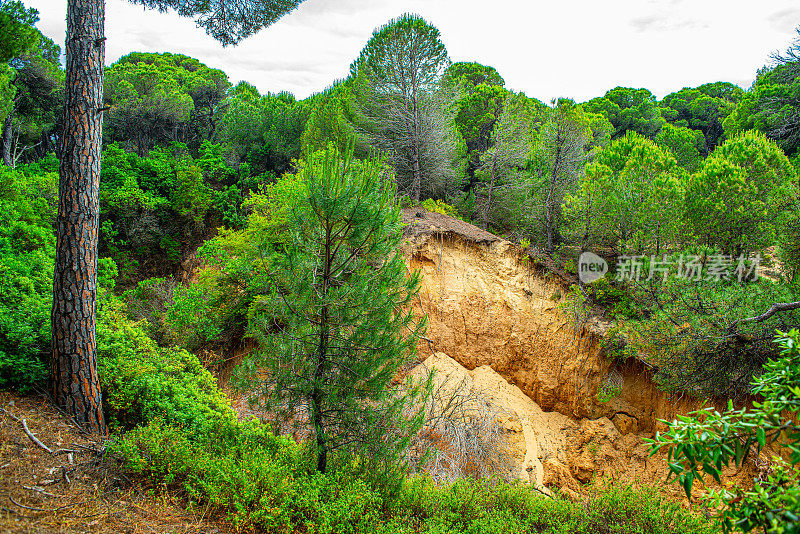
x: 548, y: 204
x: 74, y: 382
x: 8, y: 139
x: 491, y: 187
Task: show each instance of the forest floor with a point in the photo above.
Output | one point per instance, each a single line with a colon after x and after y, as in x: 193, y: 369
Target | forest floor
x: 73, y: 489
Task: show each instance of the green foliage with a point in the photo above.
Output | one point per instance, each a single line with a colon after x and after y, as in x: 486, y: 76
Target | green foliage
x: 576, y: 306
x: 7, y: 91
x: 160, y: 97
x: 614, y: 296
x: 191, y: 198
x: 141, y: 94
x: 606, y: 392
x: 789, y: 244
x: 685, y: 145
x: 504, y: 156
x: 266, y: 482
x: 151, y: 206
x: 17, y: 33
x: 494, y: 507
x: 705, y: 442
x: 330, y: 120
x: 28, y: 204
x: 692, y: 331
x: 469, y: 73
x: 37, y: 102
x: 772, y: 104
x: 440, y: 206
x: 331, y: 335
x: 702, y: 109
x: 567, y: 139
x: 736, y: 198
x: 143, y: 382
x: 229, y: 22
x: 629, y: 110
x: 478, y: 105
x: 265, y: 131
x: 237, y: 269
x: 630, y: 199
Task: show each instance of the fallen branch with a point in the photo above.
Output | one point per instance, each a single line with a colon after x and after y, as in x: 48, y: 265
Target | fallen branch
x: 40, y: 490
x: 33, y: 438
x: 15, y: 512
x: 11, y: 415
x: 779, y: 307
x: 51, y: 510
x: 92, y: 449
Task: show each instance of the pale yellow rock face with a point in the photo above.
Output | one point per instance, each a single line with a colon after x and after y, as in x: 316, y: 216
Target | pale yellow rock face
x: 494, y: 318
x: 551, y: 450
x: 487, y: 304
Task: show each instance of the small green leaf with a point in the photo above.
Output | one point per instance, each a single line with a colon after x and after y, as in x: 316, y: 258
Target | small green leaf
x: 688, y: 478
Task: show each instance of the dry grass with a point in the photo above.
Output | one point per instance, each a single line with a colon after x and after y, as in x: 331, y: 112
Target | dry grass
x: 77, y: 491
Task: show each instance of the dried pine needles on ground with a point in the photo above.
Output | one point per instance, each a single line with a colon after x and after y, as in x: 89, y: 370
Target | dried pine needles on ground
x: 55, y: 478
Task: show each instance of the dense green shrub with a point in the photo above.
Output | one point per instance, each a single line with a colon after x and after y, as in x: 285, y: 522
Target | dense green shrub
x: 440, y: 206
x: 267, y: 482
x: 150, y: 206
x: 704, y: 442
x: 27, y: 250
x: 236, y: 269
x: 789, y: 245
x: 692, y: 331
x: 143, y: 382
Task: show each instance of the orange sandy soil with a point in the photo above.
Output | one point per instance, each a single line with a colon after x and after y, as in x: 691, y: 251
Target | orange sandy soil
x: 37, y: 497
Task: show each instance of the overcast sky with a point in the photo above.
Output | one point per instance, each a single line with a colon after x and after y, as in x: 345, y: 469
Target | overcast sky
x: 573, y: 48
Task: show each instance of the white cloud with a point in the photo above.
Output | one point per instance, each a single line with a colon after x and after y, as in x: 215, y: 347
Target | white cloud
x: 575, y: 48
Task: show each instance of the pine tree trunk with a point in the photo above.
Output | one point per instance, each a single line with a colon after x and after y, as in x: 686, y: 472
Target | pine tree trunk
x: 550, y: 190
x: 7, y: 139
x: 74, y: 382
x: 491, y: 187
x: 322, y: 356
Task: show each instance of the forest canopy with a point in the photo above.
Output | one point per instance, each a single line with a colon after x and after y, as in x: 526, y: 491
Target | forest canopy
x: 228, y: 217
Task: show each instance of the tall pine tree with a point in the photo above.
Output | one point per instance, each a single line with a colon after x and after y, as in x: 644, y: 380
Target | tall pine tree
x: 73, y: 380
x: 336, y: 329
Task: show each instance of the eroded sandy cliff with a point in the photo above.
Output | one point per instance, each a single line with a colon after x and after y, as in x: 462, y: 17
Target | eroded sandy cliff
x: 497, y: 315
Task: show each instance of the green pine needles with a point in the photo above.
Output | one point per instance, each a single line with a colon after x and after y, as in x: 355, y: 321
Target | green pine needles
x: 335, y: 328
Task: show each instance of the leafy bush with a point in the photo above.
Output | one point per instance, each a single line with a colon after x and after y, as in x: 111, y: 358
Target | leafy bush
x: 150, y: 205
x: 236, y: 269
x: 143, y: 382
x: 441, y: 207
x: 789, y: 245
x: 267, y: 482
x: 27, y: 251
x: 702, y: 443
x: 692, y: 331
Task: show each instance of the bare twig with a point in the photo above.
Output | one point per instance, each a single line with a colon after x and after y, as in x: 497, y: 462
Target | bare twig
x: 33, y: 438
x: 16, y: 512
x: 51, y: 510
x: 11, y: 415
x: 40, y: 490
x: 65, y: 451
x: 775, y: 308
